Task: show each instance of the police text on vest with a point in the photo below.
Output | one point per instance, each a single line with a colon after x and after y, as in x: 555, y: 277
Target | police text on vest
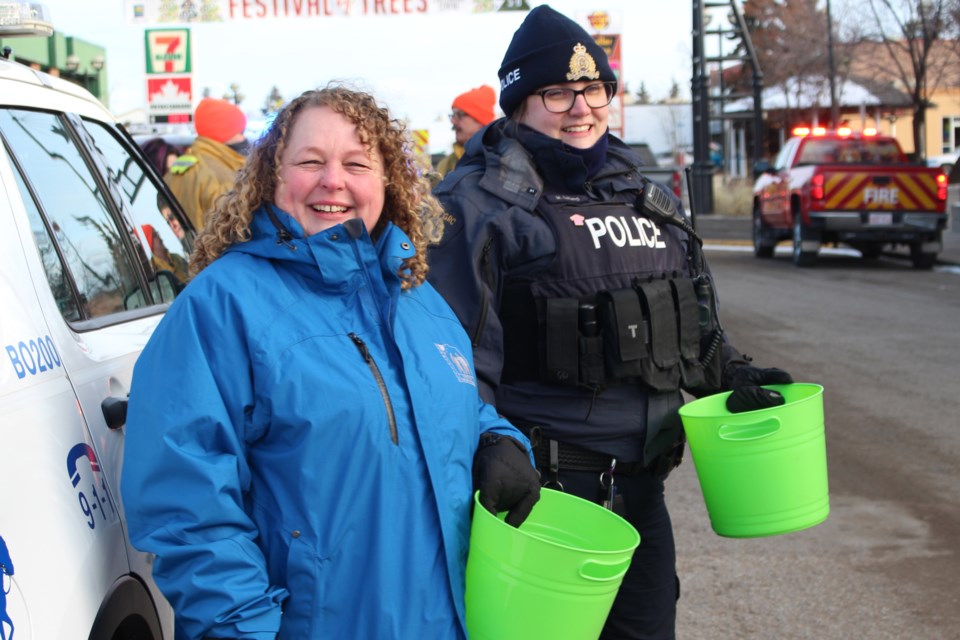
x: 624, y: 231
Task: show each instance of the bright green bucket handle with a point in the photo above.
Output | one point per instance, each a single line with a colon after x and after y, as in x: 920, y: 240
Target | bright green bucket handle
x: 751, y: 431
x: 604, y: 571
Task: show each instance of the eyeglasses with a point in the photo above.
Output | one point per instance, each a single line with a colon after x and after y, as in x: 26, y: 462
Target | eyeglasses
x: 456, y: 114
x: 562, y: 99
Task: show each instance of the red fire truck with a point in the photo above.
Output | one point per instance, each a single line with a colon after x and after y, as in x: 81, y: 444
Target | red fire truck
x: 837, y: 186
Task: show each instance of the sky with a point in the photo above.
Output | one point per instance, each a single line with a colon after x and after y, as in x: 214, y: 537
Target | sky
x: 414, y: 64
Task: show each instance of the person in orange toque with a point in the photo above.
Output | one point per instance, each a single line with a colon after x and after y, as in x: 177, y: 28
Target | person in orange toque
x: 472, y: 111
x: 207, y: 169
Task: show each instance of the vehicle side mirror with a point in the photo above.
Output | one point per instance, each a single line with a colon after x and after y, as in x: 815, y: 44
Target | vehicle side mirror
x: 165, y: 287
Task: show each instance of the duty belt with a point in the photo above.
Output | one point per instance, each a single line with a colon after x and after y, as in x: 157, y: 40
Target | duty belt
x: 573, y: 458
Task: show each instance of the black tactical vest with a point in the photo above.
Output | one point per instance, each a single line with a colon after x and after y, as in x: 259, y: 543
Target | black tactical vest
x: 618, y: 305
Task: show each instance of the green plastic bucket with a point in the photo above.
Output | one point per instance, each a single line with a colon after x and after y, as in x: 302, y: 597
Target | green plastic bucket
x: 762, y: 472
x: 555, y: 576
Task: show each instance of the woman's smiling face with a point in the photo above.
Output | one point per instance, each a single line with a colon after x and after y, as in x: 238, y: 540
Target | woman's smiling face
x: 327, y: 175
x: 580, y: 127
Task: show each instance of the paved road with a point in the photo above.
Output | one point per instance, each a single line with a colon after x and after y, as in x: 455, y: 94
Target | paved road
x: 881, y: 338
x: 726, y: 229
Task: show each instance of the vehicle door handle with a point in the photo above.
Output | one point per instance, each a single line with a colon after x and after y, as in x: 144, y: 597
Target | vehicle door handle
x: 114, y: 411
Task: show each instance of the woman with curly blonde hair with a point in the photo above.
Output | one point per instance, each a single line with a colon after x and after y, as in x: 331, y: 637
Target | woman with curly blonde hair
x: 309, y: 472
x: 407, y: 197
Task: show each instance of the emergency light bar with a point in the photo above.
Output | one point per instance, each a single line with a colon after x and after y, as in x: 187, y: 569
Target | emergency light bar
x: 24, y: 19
x: 843, y: 132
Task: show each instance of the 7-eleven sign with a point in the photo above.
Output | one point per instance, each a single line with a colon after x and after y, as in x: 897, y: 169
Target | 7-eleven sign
x: 168, y: 50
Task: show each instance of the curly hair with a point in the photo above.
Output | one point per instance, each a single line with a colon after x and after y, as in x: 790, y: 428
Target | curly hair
x: 407, y: 202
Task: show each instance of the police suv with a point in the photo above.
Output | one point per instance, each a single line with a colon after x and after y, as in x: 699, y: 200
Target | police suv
x: 91, y: 254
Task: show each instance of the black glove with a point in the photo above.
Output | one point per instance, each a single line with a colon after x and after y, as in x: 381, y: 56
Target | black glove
x: 505, y: 478
x: 748, y: 394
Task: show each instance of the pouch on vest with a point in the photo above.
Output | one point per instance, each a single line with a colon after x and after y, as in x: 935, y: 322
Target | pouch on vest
x: 662, y: 369
x: 562, y: 342
x: 688, y: 329
x: 626, y: 333
x: 591, y: 346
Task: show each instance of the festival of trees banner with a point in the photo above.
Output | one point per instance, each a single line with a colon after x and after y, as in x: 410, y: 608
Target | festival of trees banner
x: 153, y: 12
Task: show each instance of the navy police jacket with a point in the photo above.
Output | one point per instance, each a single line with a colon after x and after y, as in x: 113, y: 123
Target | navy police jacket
x: 522, y: 210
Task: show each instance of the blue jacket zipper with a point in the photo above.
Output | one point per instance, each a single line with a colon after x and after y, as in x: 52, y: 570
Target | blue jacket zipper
x: 375, y: 370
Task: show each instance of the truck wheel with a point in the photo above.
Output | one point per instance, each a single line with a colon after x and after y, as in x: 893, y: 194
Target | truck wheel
x: 801, y: 258
x: 921, y: 259
x: 763, y: 239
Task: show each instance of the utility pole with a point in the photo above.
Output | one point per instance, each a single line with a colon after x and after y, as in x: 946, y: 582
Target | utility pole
x: 834, y: 107
x: 702, y: 188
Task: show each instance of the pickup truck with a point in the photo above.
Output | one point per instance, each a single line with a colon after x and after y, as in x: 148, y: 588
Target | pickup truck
x: 852, y: 188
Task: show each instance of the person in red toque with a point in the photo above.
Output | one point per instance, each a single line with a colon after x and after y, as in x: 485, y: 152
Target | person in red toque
x: 207, y: 169
x: 472, y: 111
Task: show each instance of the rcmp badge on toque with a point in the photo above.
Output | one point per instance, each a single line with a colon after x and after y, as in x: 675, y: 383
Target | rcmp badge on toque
x: 582, y: 64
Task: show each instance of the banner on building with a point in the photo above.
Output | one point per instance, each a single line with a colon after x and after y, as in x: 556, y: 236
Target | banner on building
x: 150, y: 12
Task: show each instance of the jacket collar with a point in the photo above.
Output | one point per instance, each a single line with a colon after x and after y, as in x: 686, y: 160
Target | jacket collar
x: 508, y: 169
x: 510, y: 172
x: 337, y: 255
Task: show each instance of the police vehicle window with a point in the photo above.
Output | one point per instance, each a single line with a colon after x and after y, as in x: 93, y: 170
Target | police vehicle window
x: 56, y: 274
x: 160, y: 231
x: 75, y: 209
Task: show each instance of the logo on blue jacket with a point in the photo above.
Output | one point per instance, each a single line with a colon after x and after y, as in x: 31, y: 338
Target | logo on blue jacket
x: 458, y: 362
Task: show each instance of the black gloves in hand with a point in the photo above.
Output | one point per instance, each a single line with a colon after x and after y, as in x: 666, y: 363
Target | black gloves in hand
x: 748, y: 394
x: 505, y: 478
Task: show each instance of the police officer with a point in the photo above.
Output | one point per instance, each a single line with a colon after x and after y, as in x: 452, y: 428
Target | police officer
x: 587, y: 299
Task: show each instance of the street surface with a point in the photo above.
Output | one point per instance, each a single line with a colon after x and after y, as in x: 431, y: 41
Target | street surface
x: 882, y: 338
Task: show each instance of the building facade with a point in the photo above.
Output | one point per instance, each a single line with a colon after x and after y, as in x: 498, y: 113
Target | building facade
x: 70, y: 58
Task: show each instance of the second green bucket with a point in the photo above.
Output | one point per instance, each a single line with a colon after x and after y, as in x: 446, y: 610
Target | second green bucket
x: 555, y: 576
x: 762, y: 472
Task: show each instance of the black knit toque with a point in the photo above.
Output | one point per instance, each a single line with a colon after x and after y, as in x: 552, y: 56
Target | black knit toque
x: 549, y: 48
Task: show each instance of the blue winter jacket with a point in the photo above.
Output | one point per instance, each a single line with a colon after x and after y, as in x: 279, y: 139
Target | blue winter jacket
x: 299, y: 444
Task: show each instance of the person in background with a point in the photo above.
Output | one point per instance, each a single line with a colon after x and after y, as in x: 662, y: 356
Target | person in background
x: 310, y: 471
x: 198, y: 177
x: 161, y: 154
x: 162, y: 259
x: 587, y: 298
x: 176, y: 225
x: 471, y: 112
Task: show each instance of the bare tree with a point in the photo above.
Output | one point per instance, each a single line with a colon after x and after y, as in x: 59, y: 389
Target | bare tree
x: 904, y: 42
x: 789, y: 37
